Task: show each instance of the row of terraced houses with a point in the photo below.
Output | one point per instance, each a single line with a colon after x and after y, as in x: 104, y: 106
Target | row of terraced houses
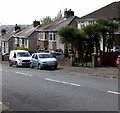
x: 38, y: 38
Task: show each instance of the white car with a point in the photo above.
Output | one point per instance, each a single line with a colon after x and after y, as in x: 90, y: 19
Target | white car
x: 19, y: 58
x: 42, y: 60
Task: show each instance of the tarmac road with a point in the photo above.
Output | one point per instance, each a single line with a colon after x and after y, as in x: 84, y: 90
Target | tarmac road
x: 25, y: 89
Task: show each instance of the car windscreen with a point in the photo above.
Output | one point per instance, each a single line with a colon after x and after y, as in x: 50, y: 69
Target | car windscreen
x: 45, y: 56
x: 23, y: 54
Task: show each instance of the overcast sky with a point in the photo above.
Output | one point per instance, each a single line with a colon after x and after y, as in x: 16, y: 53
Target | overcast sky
x: 26, y: 11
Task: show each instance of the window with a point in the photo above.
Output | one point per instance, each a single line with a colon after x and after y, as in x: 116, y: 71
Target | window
x: 52, y: 36
x: 23, y: 54
x: 42, y: 36
x: 36, y: 57
x: 33, y: 56
x: 16, y: 40
x: 21, y: 41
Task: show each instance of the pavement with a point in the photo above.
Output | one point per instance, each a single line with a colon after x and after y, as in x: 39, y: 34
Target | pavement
x: 110, y: 72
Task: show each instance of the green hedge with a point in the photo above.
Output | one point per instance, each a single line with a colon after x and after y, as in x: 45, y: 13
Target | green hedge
x: 20, y: 48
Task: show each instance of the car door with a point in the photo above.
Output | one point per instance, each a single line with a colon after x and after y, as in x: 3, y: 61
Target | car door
x: 14, y: 58
x: 36, y: 61
x: 32, y: 59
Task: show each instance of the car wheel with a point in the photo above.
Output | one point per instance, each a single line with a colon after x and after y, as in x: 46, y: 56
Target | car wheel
x: 31, y: 66
x: 55, y: 67
x: 39, y: 66
x: 16, y: 64
x: 10, y: 64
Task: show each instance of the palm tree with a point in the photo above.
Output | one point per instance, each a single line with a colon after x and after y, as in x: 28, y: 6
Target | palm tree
x: 107, y: 29
x: 93, y: 37
x: 75, y: 37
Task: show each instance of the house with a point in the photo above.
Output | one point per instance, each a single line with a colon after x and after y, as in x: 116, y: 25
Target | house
x: 27, y: 37
x: 6, y: 41
x: 48, y: 38
x: 111, y: 12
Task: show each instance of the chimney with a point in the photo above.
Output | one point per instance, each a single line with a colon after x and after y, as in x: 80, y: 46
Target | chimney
x: 36, y: 23
x: 68, y: 13
x: 17, y: 28
x: 3, y: 31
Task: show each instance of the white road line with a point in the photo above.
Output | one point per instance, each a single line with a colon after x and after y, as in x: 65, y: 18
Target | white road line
x: 113, y: 92
x: 0, y: 102
x: 4, y: 70
x: 23, y: 74
x: 62, y: 82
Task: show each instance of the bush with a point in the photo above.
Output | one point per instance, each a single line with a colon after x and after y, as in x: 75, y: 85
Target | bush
x: 20, y: 48
x: 83, y: 64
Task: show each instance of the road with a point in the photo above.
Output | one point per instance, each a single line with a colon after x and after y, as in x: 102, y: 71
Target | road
x: 25, y: 89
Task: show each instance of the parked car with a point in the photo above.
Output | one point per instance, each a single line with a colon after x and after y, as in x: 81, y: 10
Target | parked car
x: 5, y: 56
x: 57, y: 55
x: 42, y: 60
x: 19, y: 58
x: 117, y: 61
x: 116, y: 49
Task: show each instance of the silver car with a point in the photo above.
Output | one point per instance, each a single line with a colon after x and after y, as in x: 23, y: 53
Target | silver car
x: 42, y: 60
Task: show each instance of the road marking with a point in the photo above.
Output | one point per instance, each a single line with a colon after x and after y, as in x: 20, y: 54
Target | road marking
x: 23, y: 74
x: 4, y: 70
x: 62, y: 82
x: 113, y: 92
x: 0, y: 102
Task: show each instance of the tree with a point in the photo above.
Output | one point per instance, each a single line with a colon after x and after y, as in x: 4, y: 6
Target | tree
x: 46, y: 20
x: 107, y: 29
x: 75, y: 37
x: 112, y: 28
x: 59, y: 15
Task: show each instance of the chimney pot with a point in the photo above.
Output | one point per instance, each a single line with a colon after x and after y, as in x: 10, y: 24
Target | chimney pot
x: 36, y: 23
x: 68, y: 13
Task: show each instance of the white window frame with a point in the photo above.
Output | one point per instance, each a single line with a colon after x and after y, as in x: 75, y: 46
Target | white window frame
x: 21, y: 41
x: 42, y: 36
x: 16, y: 40
x: 53, y: 38
x: 6, y: 47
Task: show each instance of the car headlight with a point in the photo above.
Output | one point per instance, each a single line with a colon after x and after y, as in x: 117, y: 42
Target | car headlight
x: 20, y: 60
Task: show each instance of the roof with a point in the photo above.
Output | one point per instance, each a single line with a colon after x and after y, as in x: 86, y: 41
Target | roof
x: 26, y: 32
x: 57, y: 24
x: 111, y: 11
x: 8, y: 35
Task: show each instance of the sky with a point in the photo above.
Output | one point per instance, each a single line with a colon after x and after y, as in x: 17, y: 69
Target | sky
x: 26, y: 11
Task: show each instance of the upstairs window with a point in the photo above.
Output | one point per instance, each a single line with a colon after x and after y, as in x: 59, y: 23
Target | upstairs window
x: 52, y: 37
x: 42, y: 36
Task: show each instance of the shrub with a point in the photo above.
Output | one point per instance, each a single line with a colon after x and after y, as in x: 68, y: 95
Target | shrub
x: 20, y: 48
